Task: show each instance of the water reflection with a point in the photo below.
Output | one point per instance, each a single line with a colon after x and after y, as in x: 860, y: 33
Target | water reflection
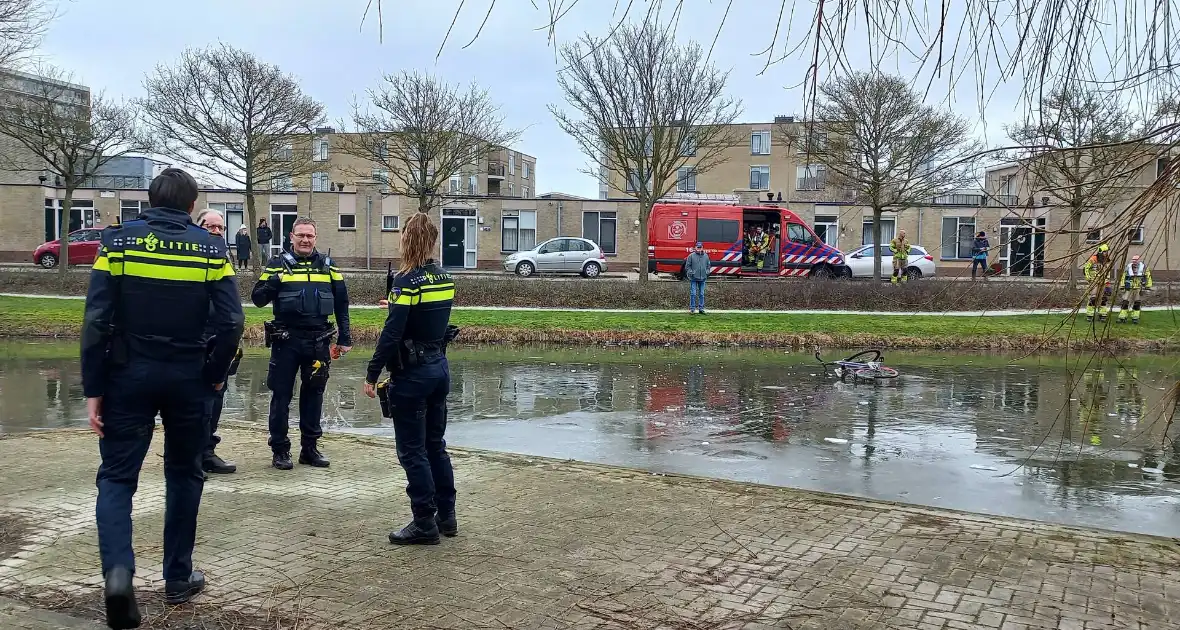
x: 1069, y: 441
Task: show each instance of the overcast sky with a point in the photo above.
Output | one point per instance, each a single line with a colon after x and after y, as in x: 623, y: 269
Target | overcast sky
x: 110, y: 44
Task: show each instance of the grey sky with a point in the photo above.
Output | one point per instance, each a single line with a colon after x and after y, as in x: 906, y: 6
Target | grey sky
x: 110, y: 44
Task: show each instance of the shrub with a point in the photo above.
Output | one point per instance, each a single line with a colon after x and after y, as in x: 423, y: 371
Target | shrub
x: 921, y: 295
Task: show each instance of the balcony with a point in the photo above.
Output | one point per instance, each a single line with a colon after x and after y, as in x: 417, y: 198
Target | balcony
x: 496, y: 170
x: 977, y: 200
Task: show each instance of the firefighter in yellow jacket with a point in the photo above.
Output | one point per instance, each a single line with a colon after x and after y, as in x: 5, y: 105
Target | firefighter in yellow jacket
x: 1136, y: 278
x: 759, y: 244
x: 900, y: 248
x: 1095, y: 269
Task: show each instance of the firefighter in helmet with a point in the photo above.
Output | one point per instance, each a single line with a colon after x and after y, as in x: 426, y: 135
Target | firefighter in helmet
x: 1095, y: 269
x: 1136, y: 278
x: 759, y: 243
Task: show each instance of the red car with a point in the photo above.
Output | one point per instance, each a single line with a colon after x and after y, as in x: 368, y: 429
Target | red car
x: 83, y: 249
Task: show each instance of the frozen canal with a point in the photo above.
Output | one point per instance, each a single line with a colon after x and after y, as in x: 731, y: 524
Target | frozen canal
x: 1071, y: 441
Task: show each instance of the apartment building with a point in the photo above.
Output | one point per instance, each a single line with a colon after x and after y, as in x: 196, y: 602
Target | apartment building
x: 504, y: 172
x: 18, y: 165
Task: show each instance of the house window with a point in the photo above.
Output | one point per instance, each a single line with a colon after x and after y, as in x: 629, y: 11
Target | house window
x: 456, y: 184
x: 381, y: 176
x: 810, y: 177
x: 511, y: 164
x: 958, y: 234
x: 511, y: 190
x: 686, y: 179
x: 1093, y: 236
x: 129, y: 209
x: 382, y: 149
x: 348, y: 221
x: 281, y: 182
x: 688, y: 146
x: 319, y: 182
x: 321, y: 150
x: 633, y: 183
x: 518, y: 230
x: 827, y: 228
x: 390, y: 223
x: 285, y: 152
x: 888, y: 227
x: 759, y: 178
x: 473, y: 185
x: 760, y: 143
x: 1161, y: 165
x: 602, y: 228
x: 524, y: 192
x: 524, y: 170
x: 1137, y: 236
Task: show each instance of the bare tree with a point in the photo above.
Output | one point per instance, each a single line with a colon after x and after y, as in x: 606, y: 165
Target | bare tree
x: 224, y: 112
x: 66, y: 135
x: 1082, y: 152
x: 643, y: 108
x: 888, y: 148
x: 22, y: 26
x: 421, y: 131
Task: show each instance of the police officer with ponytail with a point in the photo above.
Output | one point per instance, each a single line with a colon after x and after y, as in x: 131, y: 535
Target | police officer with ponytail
x: 412, y: 348
x: 305, y: 288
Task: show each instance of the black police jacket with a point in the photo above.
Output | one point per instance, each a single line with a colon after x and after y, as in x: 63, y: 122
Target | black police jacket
x: 305, y: 291
x: 420, y: 303
x: 157, y: 283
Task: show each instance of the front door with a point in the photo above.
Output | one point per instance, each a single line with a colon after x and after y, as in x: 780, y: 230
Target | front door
x: 1020, y: 247
x: 281, y: 224
x: 453, y: 241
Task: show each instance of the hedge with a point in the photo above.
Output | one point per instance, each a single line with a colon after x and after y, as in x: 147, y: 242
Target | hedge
x: 479, y: 290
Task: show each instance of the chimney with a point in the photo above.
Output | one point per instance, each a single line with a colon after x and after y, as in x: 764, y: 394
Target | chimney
x: 784, y: 119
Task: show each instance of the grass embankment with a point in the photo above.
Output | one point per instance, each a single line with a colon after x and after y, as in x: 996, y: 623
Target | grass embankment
x: 44, y: 317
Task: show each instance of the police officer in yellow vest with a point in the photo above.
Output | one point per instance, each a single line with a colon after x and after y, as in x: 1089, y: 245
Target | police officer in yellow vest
x: 1136, y: 278
x: 156, y: 283
x: 1095, y: 269
x: 306, y: 288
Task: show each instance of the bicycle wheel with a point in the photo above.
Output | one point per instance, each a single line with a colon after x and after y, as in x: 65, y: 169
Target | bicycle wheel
x: 856, y: 358
x: 872, y: 374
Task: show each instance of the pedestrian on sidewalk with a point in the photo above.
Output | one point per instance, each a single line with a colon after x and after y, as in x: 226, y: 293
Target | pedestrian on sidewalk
x: 412, y: 347
x: 979, y: 249
x: 243, y: 245
x: 696, y: 269
x: 264, y: 238
x: 139, y: 360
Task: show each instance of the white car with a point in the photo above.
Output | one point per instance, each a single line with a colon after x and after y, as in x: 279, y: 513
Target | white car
x: 860, y: 262
x: 564, y: 254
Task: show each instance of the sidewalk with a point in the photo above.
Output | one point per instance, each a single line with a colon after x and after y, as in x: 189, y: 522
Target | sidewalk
x: 552, y: 544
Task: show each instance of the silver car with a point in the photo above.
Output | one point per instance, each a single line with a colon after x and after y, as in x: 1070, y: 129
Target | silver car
x: 564, y: 254
x: 860, y: 262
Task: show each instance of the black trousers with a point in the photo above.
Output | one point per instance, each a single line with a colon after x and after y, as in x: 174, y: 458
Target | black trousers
x: 135, y: 394
x: 213, y: 407
x: 310, y: 360
x: 419, y: 399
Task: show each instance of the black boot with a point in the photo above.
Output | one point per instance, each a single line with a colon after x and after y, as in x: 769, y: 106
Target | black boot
x: 423, y: 532
x: 218, y: 466
x: 447, y: 525
x: 122, y: 611
x: 311, y: 456
x: 282, y: 461
x: 180, y: 591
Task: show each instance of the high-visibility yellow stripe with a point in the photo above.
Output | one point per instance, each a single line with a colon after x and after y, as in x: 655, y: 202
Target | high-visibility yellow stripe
x: 406, y: 300
x: 158, y: 271
x: 139, y: 253
x: 305, y: 277
x: 438, y: 287
x: 102, y: 264
x: 225, y: 271
x: 335, y: 275
x: 264, y: 276
x: 438, y: 296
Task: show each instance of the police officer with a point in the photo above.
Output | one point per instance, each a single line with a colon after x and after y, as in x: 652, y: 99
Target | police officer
x: 214, y: 223
x: 306, y: 288
x: 412, y: 347
x: 157, y: 282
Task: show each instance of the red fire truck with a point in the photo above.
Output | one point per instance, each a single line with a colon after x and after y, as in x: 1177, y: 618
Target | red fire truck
x: 721, y: 226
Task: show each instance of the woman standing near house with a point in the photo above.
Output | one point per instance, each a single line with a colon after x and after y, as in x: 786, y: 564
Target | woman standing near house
x: 242, y: 241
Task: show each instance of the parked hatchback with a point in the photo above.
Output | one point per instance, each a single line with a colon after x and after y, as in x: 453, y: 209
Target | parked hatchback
x: 860, y: 262
x: 559, y: 255
x: 84, y: 245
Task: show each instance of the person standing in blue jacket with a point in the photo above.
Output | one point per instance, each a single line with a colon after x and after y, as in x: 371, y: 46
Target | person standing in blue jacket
x: 696, y: 269
x: 979, y: 249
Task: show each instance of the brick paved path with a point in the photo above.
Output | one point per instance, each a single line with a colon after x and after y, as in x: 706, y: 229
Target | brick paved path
x: 548, y: 544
